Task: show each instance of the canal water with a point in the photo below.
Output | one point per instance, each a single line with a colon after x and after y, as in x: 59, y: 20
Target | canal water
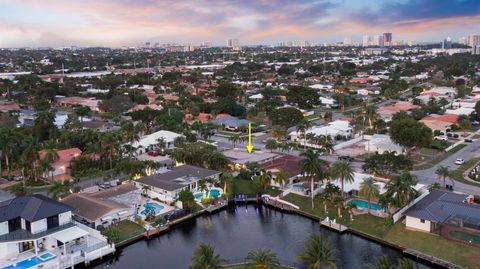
x: 237, y: 230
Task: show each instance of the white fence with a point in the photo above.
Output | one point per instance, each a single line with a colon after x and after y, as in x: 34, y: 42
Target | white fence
x: 397, y: 216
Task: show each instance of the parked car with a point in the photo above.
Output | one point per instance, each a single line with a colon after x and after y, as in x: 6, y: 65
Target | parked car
x: 468, y: 140
x: 475, y: 122
x: 460, y: 161
x: 346, y: 158
x: 441, y: 138
x: 153, y: 153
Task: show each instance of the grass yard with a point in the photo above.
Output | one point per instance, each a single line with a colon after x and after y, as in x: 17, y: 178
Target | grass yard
x: 437, y: 246
x: 457, y: 174
x: 368, y: 224
x: 128, y: 229
x: 439, y: 158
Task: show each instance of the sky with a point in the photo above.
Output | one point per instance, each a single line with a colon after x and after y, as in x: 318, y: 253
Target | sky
x: 115, y: 23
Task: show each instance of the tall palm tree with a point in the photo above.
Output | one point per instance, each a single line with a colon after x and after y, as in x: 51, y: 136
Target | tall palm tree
x: 8, y: 145
x: 318, y: 253
x: 271, y: 144
x: 371, y: 114
x: 281, y: 178
x: 443, y: 172
x: 109, y: 147
x: 382, y: 262
x: 204, y: 257
x: 265, y: 179
x: 369, y: 190
x: 342, y: 171
x: 235, y: 138
x: 310, y: 168
x: 401, y: 189
x: 302, y: 128
x: 262, y: 258
x: 406, y: 264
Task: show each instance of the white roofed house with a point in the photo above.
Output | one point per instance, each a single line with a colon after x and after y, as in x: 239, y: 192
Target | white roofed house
x: 337, y: 130
x: 36, y: 229
x: 149, y: 142
x: 381, y: 143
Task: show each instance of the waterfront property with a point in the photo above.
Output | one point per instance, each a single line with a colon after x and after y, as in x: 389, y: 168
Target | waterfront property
x: 362, y: 204
x: 36, y: 229
x: 150, y: 141
x: 288, y: 163
x: 104, y: 207
x: 441, y: 211
x: 166, y: 186
x: 240, y: 157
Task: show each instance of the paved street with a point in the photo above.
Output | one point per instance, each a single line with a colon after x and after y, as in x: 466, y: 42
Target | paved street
x: 428, y: 176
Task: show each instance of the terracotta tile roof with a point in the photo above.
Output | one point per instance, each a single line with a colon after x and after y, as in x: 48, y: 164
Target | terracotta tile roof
x: 448, y: 118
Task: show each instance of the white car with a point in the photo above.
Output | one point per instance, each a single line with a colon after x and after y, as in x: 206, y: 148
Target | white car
x: 441, y: 138
x: 460, y: 161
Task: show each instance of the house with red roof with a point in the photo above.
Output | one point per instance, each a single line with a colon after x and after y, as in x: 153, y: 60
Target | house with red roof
x: 440, y: 122
x: 61, y: 167
x: 387, y: 112
x: 9, y: 107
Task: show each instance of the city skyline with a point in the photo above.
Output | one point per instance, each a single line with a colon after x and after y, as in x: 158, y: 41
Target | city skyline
x: 29, y: 23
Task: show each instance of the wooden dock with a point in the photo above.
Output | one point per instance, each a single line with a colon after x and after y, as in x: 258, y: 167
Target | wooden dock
x: 245, y: 199
x: 214, y: 208
x: 431, y: 259
x: 334, y: 226
x: 278, y: 204
x: 155, y: 231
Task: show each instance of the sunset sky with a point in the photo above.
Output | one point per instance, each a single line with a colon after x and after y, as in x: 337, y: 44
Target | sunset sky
x: 131, y: 22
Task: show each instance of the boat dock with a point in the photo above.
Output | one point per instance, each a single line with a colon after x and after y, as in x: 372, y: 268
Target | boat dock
x: 430, y: 259
x: 333, y: 225
x: 214, y: 208
x: 155, y: 231
x: 245, y: 199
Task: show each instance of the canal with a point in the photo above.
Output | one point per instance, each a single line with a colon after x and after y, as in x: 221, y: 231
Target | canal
x: 237, y: 230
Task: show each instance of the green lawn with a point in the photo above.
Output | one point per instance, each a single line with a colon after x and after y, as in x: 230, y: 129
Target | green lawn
x: 369, y: 224
x: 439, y: 158
x: 128, y: 229
x: 248, y: 187
x: 457, y: 174
x: 434, y: 245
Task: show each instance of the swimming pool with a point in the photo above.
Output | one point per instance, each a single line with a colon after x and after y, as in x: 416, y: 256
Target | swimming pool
x: 298, y: 187
x: 214, y: 193
x: 364, y: 204
x: 470, y: 238
x: 46, y: 256
x: 24, y: 264
x: 151, y: 206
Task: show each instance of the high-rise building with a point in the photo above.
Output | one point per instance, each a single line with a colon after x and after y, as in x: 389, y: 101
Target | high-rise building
x: 476, y: 50
x: 234, y: 44
x: 387, y: 39
x: 367, y: 41
x: 463, y: 40
x: 447, y: 43
x: 378, y: 40
x: 473, y: 40
x: 347, y: 41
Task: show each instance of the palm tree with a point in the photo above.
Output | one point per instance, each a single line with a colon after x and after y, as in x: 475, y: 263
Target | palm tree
x: 318, y: 253
x: 235, y: 138
x: 310, y: 167
x: 8, y: 145
x: 265, y: 179
x: 371, y: 114
x: 406, y: 264
x: 302, y: 128
x: 146, y: 189
x: 401, y: 189
x: 262, y: 258
x: 281, y: 178
x: 271, y: 144
x: 109, y: 146
x: 369, y: 190
x: 382, y: 262
x: 204, y: 257
x: 202, y: 186
x: 161, y: 144
x: 58, y: 190
x: 342, y: 171
x: 18, y: 190
x: 443, y: 172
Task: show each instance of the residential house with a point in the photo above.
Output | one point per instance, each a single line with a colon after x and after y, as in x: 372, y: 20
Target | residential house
x: 339, y: 129
x: 166, y: 186
x: 106, y: 206
x: 61, y: 167
x: 441, y: 209
x: 387, y: 112
x: 231, y: 123
x: 288, y: 163
x: 149, y: 142
x: 381, y: 143
x: 439, y: 122
x: 79, y: 101
x: 240, y: 157
x: 40, y: 230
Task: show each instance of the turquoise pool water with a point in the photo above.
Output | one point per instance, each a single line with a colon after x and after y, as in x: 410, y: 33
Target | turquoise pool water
x: 25, y: 264
x: 298, y: 187
x: 214, y: 193
x: 470, y: 238
x: 364, y: 204
x: 46, y: 256
x: 150, y: 205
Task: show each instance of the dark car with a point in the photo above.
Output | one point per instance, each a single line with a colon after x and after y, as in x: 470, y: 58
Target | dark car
x: 345, y: 158
x: 468, y: 140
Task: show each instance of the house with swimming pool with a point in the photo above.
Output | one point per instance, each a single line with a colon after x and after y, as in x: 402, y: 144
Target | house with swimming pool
x: 166, y: 185
x: 36, y: 231
x: 452, y: 215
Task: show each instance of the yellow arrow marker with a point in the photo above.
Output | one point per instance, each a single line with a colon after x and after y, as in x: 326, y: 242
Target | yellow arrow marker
x: 250, y: 146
